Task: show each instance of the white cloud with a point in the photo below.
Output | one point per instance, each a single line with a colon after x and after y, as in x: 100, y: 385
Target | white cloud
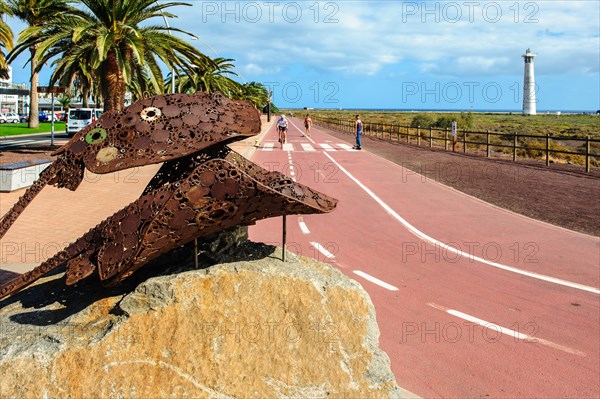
x: 363, y: 38
x: 366, y: 36
x: 256, y: 70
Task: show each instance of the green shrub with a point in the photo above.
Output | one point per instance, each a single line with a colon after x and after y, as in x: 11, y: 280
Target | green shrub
x: 422, y: 120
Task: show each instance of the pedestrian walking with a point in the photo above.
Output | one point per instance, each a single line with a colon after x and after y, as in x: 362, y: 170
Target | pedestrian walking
x: 358, y: 128
x: 307, y: 124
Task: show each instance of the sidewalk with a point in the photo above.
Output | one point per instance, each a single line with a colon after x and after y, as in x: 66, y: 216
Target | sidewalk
x: 57, y: 217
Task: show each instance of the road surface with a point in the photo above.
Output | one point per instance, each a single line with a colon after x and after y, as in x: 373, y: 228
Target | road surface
x: 471, y: 300
x: 11, y: 142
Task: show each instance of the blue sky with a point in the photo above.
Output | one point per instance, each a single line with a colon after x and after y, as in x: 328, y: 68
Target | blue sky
x: 401, y: 54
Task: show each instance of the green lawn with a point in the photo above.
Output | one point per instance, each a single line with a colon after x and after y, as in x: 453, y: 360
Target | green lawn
x: 16, y: 129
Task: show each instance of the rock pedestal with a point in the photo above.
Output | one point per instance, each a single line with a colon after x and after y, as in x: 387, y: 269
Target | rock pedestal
x: 251, y: 329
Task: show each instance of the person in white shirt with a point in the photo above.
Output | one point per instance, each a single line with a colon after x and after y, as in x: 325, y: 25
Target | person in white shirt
x: 282, y: 125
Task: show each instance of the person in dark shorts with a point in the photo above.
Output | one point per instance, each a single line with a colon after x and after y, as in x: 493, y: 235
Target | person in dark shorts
x: 358, y: 127
x: 307, y: 124
x: 282, y: 125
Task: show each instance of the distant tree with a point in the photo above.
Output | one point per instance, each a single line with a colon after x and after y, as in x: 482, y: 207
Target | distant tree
x: 65, y: 101
x: 211, y: 78
x: 274, y: 109
x: 35, y: 13
x: 444, y: 122
x: 255, y: 92
x: 466, y: 119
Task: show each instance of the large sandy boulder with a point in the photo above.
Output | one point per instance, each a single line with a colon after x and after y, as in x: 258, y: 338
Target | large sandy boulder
x: 247, y: 329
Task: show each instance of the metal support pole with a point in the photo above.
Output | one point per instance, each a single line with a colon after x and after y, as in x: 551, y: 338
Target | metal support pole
x: 487, y: 143
x: 269, y: 106
x: 547, y: 149
x: 446, y: 140
x: 284, y: 238
x: 464, y: 140
x: 52, y: 115
x: 430, y: 138
x: 515, y: 147
x: 196, y: 253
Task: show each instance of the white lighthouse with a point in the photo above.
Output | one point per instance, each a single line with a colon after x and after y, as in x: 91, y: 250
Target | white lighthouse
x: 529, y: 100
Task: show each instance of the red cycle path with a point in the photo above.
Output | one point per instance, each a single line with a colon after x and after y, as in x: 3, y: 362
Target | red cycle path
x: 435, y: 349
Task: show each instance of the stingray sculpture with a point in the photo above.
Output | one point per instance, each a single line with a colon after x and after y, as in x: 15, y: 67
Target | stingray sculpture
x: 203, y: 186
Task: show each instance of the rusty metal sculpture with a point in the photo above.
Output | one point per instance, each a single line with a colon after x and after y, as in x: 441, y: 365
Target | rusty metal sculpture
x: 202, y: 187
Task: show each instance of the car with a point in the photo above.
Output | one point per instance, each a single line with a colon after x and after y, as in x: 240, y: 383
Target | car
x: 45, y: 116
x: 24, y: 118
x: 78, y: 118
x: 9, y: 117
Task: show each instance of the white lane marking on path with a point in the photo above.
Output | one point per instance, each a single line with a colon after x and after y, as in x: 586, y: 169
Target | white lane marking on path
x: 303, y: 226
x: 375, y: 280
x: 307, y: 147
x: 288, y: 147
x: 322, y: 250
x: 427, y: 238
x: 506, y: 331
x: 327, y: 147
x: 268, y: 146
x: 346, y: 147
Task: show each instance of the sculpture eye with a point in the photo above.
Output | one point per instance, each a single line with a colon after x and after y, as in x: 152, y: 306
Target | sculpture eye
x: 150, y: 114
x: 95, y: 136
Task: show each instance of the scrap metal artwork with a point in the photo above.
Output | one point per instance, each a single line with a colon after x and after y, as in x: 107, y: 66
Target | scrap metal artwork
x: 203, y: 186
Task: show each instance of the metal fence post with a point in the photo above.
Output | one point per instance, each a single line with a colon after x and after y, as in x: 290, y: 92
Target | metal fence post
x: 446, y: 140
x: 487, y: 143
x: 419, y: 136
x: 547, y: 149
x: 430, y: 138
x: 515, y: 147
x: 464, y: 140
x: 587, y: 154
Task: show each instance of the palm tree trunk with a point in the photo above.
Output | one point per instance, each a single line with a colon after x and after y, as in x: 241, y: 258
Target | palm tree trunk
x: 113, y: 85
x: 34, y: 121
x: 85, y: 102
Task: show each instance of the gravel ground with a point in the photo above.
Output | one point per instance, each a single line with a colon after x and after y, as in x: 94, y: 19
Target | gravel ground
x: 560, y: 194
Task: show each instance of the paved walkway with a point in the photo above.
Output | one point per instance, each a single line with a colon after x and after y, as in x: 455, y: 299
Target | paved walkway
x: 57, y: 217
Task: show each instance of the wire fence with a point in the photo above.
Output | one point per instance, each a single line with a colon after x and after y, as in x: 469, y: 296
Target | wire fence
x: 551, y: 148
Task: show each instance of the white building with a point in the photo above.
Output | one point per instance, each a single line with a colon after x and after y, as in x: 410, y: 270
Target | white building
x: 13, y: 97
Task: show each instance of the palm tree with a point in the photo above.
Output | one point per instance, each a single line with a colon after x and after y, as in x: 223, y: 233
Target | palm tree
x: 141, y: 87
x: 65, y: 101
x: 115, y: 48
x: 255, y: 92
x: 6, y: 40
x: 35, y: 13
x: 212, y: 78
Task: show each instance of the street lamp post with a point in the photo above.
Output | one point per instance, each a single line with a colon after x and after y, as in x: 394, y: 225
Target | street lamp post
x: 269, y: 106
